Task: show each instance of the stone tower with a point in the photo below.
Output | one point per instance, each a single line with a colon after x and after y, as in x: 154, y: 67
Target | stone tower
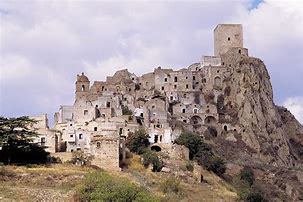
x: 227, y: 36
x: 82, y: 86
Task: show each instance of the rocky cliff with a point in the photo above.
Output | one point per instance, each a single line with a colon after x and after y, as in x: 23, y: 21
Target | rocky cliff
x: 267, y: 137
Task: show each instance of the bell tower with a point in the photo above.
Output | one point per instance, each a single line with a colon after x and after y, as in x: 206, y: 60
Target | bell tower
x: 82, y: 86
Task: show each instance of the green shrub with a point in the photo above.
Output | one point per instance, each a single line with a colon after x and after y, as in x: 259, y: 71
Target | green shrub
x: 210, y: 162
x: 138, y: 141
x: 192, y: 141
x: 247, y: 175
x: 126, y: 110
x: 100, y: 186
x: 150, y: 157
x: 255, y: 196
x: 171, y: 185
x: 81, y: 158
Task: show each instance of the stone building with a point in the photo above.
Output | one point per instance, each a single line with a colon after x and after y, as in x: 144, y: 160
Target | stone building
x: 164, y: 102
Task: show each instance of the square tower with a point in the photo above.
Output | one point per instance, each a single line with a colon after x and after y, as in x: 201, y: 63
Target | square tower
x: 227, y: 36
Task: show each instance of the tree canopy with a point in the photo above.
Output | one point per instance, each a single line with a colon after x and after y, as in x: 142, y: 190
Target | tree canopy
x: 16, y: 141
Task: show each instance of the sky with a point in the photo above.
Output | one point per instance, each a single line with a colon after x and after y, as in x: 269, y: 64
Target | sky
x: 45, y: 44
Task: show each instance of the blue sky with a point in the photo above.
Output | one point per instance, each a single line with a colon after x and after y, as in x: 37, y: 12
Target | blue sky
x: 45, y: 44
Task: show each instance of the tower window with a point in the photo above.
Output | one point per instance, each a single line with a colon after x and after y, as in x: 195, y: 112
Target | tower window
x: 95, y: 128
x: 228, y: 38
x: 108, y: 104
x: 165, y: 79
x: 183, y: 110
x: 83, y: 88
x: 175, y: 86
x: 80, y: 136
x: 85, y: 112
x: 240, y: 51
x: 176, y: 79
x: 186, y: 86
x: 194, y: 78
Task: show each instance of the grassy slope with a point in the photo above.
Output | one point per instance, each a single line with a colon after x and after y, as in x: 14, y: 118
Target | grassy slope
x: 58, y: 183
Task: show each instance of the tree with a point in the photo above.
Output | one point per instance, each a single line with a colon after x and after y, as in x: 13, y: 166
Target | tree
x: 192, y: 141
x: 138, y: 141
x: 150, y: 157
x: 16, y: 136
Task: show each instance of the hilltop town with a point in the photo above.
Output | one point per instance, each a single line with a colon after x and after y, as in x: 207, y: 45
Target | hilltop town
x: 226, y: 98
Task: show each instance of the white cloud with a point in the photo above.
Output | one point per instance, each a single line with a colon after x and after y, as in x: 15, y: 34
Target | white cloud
x: 295, y: 105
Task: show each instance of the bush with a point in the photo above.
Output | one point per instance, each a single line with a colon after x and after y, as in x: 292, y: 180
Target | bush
x: 215, y: 164
x: 247, y: 175
x: 255, y: 196
x: 99, y: 186
x: 126, y: 110
x: 192, y: 141
x: 137, y: 142
x: 80, y: 158
x: 150, y: 157
x: 210, y: 162
x: 171, y: 185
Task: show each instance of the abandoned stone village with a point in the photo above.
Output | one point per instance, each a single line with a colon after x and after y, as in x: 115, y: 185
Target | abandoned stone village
x: 164, y: 102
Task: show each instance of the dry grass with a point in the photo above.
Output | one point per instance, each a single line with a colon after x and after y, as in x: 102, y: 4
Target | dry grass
x: 58, y: 182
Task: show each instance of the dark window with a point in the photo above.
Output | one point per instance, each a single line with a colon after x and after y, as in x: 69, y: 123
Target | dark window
x: 171, y: 97
x: 184, y: 121
x: 162, y: 88
x: 43, y: 140
x: 225, y: 128
x: 240, y: 51
x: 71, y: 124
x: 120, y: 131
x: 98, y: 144
x: 80, y: 136
x: 78, y: 149
x: 85, y: 112
x: 175, y: 86
x: 95, y: 128
x: 165, y: 79
x: 108, y: 104
x: 194, y: 78
x: 156, y: 139
x: 176, y: 79
x: 186, y: 86
x: 83, y: 88
x: 71, y: 135
x: 228, y: 38
x: 183, y: 110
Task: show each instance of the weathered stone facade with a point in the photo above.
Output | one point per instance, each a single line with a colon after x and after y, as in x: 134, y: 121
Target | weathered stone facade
x: 228, y: 95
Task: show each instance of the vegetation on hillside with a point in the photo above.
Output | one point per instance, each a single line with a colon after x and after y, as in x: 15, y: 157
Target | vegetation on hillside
x: 138, y: 143
x: 201, y: 152
x: 100, y: 186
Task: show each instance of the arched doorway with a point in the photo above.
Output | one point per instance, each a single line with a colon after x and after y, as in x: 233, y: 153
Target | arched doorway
x: 156, y: 148
x: 195, y: 120
x: 209, y: 120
